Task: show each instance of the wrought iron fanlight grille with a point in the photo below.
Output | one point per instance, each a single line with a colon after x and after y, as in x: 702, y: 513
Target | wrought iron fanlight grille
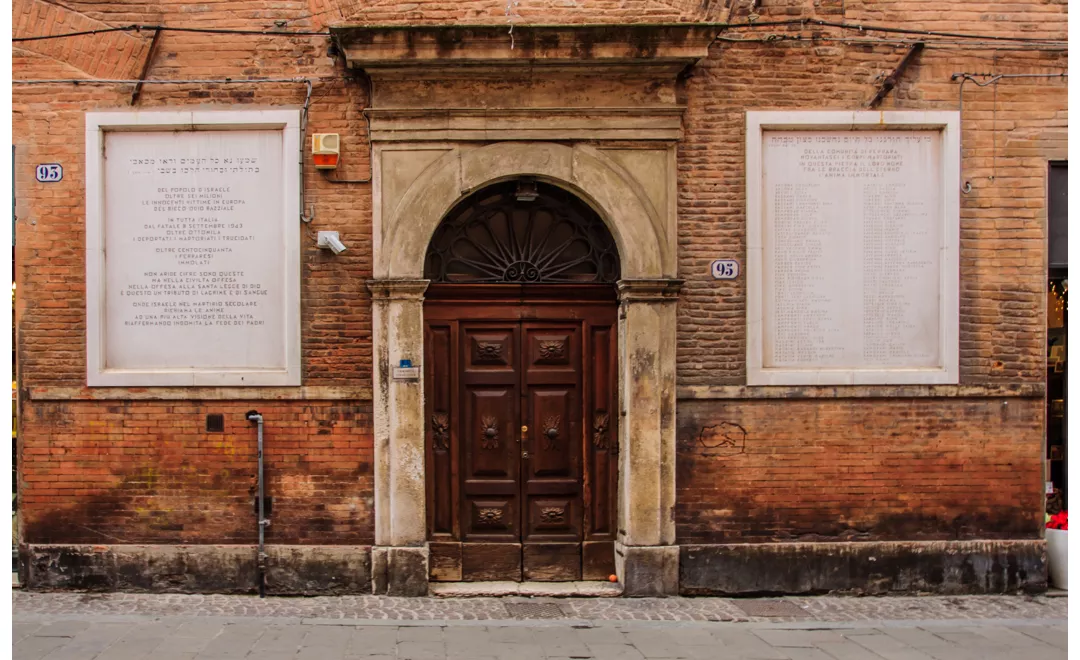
x: 494, y: 237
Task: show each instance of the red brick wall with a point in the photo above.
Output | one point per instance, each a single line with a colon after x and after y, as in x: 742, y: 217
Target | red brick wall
x: 1003, y: 221
x: 49, y: 126
x: 96, y: 470
x: 858, y: 470
x: 148, y: 472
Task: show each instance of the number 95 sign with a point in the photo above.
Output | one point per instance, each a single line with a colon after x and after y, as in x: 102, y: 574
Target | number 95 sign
x: 49, y: 172
x: 725, y: 269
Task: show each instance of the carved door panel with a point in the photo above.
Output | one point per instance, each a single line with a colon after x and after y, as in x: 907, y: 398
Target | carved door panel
x: 551, y: 488
x: 521, y: 440
x: 490, y: 454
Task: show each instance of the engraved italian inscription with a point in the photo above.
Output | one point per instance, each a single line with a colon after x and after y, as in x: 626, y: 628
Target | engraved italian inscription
x: 853, y: 233
x: 193, y: 272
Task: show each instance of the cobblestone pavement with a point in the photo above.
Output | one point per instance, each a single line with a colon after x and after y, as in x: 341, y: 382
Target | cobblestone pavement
x: 817, y: 608
x: 71, y: 626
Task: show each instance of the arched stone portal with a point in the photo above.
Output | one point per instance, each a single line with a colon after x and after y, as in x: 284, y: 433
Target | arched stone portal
x: 414, y: 189
x: 521, y: 339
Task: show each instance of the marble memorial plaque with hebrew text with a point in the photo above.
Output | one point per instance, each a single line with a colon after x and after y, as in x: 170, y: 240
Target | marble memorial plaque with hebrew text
x: 851, y: 249
x: 194, y: 250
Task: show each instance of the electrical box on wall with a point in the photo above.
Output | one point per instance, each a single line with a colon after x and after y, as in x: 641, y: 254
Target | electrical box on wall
x: 326, y: 150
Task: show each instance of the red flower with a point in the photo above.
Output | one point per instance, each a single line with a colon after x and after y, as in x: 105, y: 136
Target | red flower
x: 1059, y: 521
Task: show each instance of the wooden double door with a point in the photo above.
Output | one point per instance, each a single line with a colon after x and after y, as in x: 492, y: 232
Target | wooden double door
x: 521, y: 438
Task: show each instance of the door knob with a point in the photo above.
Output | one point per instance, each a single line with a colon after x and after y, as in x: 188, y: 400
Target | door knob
x: 524, y: 430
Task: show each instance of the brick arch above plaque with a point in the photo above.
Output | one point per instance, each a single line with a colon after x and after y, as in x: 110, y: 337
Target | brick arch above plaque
x: 193, y: 271
x: 852, y: 248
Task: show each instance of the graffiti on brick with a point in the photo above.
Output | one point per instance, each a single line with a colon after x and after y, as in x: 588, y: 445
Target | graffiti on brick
x: 722, y: 439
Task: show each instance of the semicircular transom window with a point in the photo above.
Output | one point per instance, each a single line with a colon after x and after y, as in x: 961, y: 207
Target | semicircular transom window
x: 522, y: 233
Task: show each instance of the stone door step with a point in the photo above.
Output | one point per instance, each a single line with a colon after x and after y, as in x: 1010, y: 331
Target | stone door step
x: 551, y: 589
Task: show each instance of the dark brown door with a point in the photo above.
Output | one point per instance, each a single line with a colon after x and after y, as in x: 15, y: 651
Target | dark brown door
x: 519, y: 485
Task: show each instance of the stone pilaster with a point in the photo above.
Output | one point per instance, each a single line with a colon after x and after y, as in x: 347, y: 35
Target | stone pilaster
x: 646, y: 556
x: 399, y: 558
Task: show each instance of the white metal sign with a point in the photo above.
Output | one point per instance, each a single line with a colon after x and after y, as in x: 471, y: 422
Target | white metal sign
x: 406, y: 373
x: 725, y: 269
x: 49, y: 172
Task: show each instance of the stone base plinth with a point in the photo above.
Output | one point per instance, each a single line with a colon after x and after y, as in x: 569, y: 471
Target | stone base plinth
x: 295, y: 570
x: 399, y: 571
x: 648, y: 570
x: 939, y: 567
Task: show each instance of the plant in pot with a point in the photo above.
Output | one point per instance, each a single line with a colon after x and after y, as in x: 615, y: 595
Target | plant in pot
x: 1057, y: 549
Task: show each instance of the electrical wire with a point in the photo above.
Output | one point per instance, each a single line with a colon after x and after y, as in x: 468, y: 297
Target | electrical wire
x: 127, y: 28
x: 937, y: 43
x: 860, y: 27
x: 164, y: 28
x: 371, y: 144
x: 991, y: 79
x: 190, y: 81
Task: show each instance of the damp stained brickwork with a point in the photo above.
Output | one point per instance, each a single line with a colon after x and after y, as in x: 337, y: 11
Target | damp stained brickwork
x: 858, y: 470
x: 148, y: 472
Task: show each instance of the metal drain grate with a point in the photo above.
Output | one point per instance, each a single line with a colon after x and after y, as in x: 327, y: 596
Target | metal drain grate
x: 766, y: 608
x: 534, y: 610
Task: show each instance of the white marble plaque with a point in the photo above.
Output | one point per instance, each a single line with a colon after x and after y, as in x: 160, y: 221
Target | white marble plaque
x: 851, y: 256
x: 196, y: 278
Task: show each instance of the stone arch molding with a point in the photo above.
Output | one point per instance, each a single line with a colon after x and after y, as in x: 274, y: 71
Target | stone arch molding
x: 643, y: 234
x: 632, y: 189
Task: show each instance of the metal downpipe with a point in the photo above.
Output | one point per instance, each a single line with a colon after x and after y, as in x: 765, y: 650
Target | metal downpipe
x: 254, y: 416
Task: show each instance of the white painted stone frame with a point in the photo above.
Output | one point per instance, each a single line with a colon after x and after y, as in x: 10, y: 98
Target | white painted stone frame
x: 948, y: 123
x: 97, y: 124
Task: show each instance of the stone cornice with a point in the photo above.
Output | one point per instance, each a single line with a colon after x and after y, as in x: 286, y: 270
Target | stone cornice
x: 577, y: 46
x: 543, y: 82
x: 662, y: 123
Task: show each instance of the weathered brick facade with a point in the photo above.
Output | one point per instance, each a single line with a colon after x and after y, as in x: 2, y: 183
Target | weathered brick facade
x: 107, y: 466
x: 855, y: 470
x: 148, y: 472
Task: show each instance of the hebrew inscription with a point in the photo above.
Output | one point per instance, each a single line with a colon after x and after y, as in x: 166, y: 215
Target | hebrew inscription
x: 852, y: 237
x: 194, y: 250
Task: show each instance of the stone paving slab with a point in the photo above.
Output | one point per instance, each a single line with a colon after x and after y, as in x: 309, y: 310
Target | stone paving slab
x: 145, y: 637
x: 531, y: 589
x: 819, y: 608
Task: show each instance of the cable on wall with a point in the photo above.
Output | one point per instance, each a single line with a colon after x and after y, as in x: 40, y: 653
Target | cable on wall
x: 803, y: 22
x: 165, y: 28
x: 777, y: 38
x: 989, y: 79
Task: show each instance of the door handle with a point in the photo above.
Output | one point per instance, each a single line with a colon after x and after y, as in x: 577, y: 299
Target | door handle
x: 524, y: 430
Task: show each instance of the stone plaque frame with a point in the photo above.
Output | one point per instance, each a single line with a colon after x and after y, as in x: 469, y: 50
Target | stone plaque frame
x: 947, y: 124
x: 97, y: 124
